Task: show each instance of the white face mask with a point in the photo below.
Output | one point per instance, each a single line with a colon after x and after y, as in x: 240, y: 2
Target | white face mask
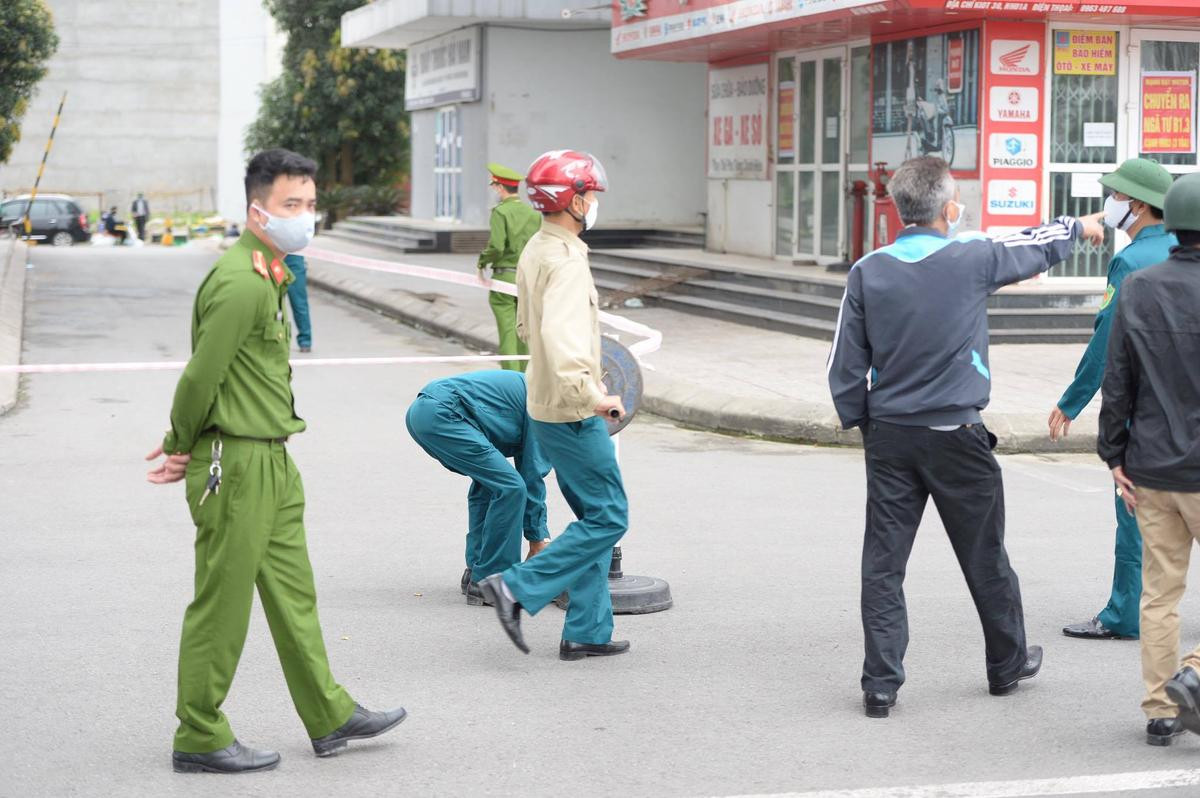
x: 589, y: 219
x: 289, y: 234
x: 952, y: 226
x: 1117, y: 214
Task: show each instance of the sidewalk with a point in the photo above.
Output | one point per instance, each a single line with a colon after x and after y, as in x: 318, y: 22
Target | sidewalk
x: 717, y: 375
x: 12, y: 314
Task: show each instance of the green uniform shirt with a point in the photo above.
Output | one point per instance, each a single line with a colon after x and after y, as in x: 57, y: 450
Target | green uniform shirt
x: 513, y: 224
x: 238, y: 379
x: 1151, y: 247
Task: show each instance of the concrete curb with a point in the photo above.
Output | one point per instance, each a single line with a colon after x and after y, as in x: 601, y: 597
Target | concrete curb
x: 692, y: 404
x: 12, y: 318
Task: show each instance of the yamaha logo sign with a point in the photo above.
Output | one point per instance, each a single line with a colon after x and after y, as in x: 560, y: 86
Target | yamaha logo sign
x: 1016, y: 57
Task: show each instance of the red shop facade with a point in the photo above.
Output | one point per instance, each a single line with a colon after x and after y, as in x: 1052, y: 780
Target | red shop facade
x: 1029, y: 102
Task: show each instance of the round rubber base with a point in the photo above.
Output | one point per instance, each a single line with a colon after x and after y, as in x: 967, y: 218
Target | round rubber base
x: 634, y: 595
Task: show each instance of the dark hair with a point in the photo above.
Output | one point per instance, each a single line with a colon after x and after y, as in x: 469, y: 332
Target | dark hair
x: 1155, y: 212
x: 270, y: 164
x: 1188, y: 238
x: 509, y: 189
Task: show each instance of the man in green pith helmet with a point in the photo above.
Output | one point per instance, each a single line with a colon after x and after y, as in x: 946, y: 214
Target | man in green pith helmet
x: 513, y: 223
x: 1134, y: 204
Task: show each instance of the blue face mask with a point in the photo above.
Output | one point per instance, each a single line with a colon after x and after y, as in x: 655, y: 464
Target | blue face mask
x: 952, y: 226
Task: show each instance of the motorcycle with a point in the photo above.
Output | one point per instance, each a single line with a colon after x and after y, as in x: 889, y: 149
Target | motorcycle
x: 931, y: 128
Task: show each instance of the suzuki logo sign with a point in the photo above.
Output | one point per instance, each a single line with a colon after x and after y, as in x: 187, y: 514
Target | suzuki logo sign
x: 1011, y: 57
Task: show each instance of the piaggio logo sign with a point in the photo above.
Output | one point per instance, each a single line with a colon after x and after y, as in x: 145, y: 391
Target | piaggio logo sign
x: 1012, y: 150
x: 1014, y: 57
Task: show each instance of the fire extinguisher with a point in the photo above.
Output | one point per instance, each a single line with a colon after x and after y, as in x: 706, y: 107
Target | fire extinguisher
x: 887, y: 218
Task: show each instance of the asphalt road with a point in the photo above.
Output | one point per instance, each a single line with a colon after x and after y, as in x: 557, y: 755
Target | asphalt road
x: 749, y: 686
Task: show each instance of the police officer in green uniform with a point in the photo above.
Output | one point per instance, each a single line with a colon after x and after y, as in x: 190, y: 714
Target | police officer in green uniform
x: 230, y: 421
x: 513, y: 223
x: 472, y: 423
x: 1134, y: 205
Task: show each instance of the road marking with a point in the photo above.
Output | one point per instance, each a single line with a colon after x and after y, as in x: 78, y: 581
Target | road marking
x: 1039, y: 475
x: 1024, y: 788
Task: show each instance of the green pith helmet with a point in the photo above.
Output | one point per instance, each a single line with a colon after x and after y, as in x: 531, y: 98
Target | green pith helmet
x: 1181, y: 208
x: 1140, y: 179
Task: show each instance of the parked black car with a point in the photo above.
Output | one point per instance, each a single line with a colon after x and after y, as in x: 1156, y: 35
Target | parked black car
x: 54, y: 218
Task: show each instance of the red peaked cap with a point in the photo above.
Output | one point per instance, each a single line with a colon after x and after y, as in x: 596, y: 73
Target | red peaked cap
x: 557, y: 176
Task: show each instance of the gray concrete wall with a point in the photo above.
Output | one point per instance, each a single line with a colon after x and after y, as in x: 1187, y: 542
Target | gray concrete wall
x: 142, y: 107
x: 644, y: 120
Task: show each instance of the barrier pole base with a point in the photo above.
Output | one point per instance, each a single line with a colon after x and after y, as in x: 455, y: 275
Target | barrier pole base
x: 632, y: 595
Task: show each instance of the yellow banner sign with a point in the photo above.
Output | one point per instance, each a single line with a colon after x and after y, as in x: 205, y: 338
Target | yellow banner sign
x: 1085, y: 52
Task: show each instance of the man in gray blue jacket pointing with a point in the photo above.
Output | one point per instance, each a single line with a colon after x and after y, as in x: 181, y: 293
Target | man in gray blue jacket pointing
x: 909, y: 367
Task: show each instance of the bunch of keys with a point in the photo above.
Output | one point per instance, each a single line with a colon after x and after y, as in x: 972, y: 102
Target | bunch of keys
x: 214, y: 473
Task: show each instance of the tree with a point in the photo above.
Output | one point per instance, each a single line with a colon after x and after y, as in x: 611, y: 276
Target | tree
x: 342, y: 107
x: 27, y: 40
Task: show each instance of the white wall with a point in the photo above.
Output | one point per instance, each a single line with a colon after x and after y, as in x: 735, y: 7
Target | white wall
x: 644, y: 120
x: 741, y: 216
x: 142, y: 108
x: 250, y: 52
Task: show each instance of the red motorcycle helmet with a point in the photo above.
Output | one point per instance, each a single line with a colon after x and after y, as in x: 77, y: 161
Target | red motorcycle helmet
x: 557, y: 176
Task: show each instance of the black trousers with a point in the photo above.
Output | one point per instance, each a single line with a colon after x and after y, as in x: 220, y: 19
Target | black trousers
x: 905, y: 467
x: 140, y: 221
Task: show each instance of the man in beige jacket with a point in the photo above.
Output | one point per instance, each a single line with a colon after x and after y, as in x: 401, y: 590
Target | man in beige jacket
x: 557, y: 317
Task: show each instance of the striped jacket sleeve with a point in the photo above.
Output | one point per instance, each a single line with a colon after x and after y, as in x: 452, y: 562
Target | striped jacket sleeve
x: 850, y: 358
x: 1022, y: 255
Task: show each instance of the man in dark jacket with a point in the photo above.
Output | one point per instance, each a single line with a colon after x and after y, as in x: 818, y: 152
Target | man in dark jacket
x: 1150, y: 438
x: 909, y: 368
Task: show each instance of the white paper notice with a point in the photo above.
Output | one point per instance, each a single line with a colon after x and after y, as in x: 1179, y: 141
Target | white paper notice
x: 1086, y: 185
x: 831, y: 127
x: 1099, y: 134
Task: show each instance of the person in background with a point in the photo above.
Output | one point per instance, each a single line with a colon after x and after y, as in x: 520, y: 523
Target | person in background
x: 298, y: 299
x: 114, y: 227
x: 141, y: 213
x: 513, y: 223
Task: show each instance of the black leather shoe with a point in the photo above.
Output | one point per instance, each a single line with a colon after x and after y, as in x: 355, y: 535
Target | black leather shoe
x: 475, y: 596
x: 1093, y: 630
x: 363, y: 724
x: 1184, y: 689
x: 237, y: 758
x: 507, y: 610
x: 1161, y: 731
x: 466, y: 580
x: 1033, y: 664
x: 572, y: 651
x: 877, y: 705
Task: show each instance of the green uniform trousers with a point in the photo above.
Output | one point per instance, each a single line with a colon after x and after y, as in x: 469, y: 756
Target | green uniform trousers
x: 504, y: 308
x: 1121, y: 612
x: 250, y: 533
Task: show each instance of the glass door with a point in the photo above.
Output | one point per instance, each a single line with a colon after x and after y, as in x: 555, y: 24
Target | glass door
x: 810, y: 159
x: 447, y: 165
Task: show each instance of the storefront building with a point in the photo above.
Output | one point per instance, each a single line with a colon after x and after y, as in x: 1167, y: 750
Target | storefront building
x: 506, y: 81
x: 1030, y: 102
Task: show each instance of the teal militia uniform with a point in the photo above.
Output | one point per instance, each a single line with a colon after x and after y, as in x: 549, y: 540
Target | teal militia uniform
x: 471, y: 424
x: 1151, y: 246
x: 512, y: 223
x: 237, y: 385
x: 298, y: 298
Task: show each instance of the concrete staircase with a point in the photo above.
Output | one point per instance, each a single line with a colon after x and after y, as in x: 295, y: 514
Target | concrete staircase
x: 807, y: 302
x: 405, y: 234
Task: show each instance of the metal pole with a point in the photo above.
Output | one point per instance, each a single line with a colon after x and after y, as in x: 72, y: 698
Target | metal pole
x: 42, y: 169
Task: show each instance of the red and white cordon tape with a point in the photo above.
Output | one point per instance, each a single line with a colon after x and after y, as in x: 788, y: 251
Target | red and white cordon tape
x: 651, y: 338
